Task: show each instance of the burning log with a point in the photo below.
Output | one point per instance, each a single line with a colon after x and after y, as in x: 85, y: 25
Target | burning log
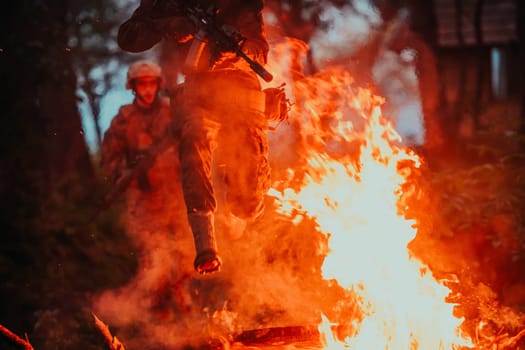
x: 310, y: 336
x: 504, y: 341
x: 291, y: 334
x: 113, y: 342
x: 16, y: 339
x: 513, y: 342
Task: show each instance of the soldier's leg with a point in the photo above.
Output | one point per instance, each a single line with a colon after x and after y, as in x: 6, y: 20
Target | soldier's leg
x: 198, y: 135
x: 247, y: 173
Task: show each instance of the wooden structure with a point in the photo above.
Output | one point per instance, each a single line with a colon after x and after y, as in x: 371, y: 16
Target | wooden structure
x: 477, y: 41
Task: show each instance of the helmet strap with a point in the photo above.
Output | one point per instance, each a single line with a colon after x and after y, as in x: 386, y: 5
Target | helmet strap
x: 144, y: 104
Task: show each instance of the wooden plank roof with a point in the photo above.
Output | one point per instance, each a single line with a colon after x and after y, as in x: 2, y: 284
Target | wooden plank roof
x: 499, y: 22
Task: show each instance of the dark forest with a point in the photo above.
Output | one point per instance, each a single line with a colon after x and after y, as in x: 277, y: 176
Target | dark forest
x: 57, y: 258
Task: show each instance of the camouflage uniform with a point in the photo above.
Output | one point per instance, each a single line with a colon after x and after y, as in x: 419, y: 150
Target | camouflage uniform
x: 221, y: 121
x: 155, y: 210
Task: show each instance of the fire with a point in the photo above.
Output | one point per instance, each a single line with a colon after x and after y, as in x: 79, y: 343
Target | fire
x: 357, y: 201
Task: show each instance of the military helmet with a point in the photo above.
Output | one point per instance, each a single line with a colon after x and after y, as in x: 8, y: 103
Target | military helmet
x: 143, y: 68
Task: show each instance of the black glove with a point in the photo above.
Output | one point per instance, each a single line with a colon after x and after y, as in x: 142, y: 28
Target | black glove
x: 142, y: 176
x: 180, y: 29
x: 143, y: 181
x: 165, y: 8
x: 168, y: 19
x: 277, y: 104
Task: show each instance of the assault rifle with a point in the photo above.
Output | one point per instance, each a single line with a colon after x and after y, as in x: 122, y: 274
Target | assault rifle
x: 225, y: 37
x: 143, y: 164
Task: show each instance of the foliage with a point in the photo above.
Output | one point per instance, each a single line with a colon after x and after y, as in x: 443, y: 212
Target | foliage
x: 93, y: 26
x: 65, y: 256
x: 52, y: 256
x: 472, y: 232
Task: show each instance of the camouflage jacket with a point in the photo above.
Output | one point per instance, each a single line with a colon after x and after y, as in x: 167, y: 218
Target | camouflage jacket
x: 133, y: 131
x: 143, y: 30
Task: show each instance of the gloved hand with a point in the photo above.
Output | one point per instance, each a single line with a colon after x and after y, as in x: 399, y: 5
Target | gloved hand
x: 180, y: 29
x: 167, y: 19
x: 143, y: 181
x: 253, y: 50
x: 117, y: 175
x: 277, y: 104
x: 161, y: 8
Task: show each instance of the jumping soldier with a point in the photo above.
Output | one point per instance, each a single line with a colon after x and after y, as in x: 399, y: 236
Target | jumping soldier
x: 222, y: 125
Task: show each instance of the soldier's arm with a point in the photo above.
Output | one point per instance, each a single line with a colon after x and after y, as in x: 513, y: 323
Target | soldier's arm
x: 113, y: 149
x: 139, y: 33
x: 147, y: 27
x: 251, y: 25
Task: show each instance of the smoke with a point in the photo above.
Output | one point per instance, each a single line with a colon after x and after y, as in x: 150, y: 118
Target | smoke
x: 355, y: 36
x: 396, y: 74
x: 269, y: 274
x: 148, y: 310
x: 343, y: 31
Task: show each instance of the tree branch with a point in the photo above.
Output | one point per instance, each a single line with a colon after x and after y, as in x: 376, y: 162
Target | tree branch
x: 16, y: 339
x: 113, y: 342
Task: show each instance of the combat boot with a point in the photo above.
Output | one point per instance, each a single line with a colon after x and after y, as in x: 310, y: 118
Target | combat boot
x: 207, y: 260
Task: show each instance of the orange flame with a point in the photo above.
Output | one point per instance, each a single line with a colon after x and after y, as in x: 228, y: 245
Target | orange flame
x: 357, y: 203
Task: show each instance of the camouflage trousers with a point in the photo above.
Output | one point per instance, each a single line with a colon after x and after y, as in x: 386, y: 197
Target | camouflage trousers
x: 223, y: 147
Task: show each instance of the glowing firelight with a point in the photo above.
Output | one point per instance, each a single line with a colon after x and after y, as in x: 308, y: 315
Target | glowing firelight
x: 357, y: 204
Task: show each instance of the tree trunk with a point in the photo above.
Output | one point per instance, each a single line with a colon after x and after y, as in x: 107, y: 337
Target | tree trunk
x: 521, y: 35
x: 424, y: 23
x: 41, y: 134
x: 477, y: 102
x: 42, y: 147
x: 462, y: 81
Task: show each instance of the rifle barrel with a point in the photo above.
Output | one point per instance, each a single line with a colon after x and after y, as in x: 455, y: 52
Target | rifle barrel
x: 202, y: 19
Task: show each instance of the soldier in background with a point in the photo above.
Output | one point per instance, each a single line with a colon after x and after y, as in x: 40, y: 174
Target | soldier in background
x: 156, y: 218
